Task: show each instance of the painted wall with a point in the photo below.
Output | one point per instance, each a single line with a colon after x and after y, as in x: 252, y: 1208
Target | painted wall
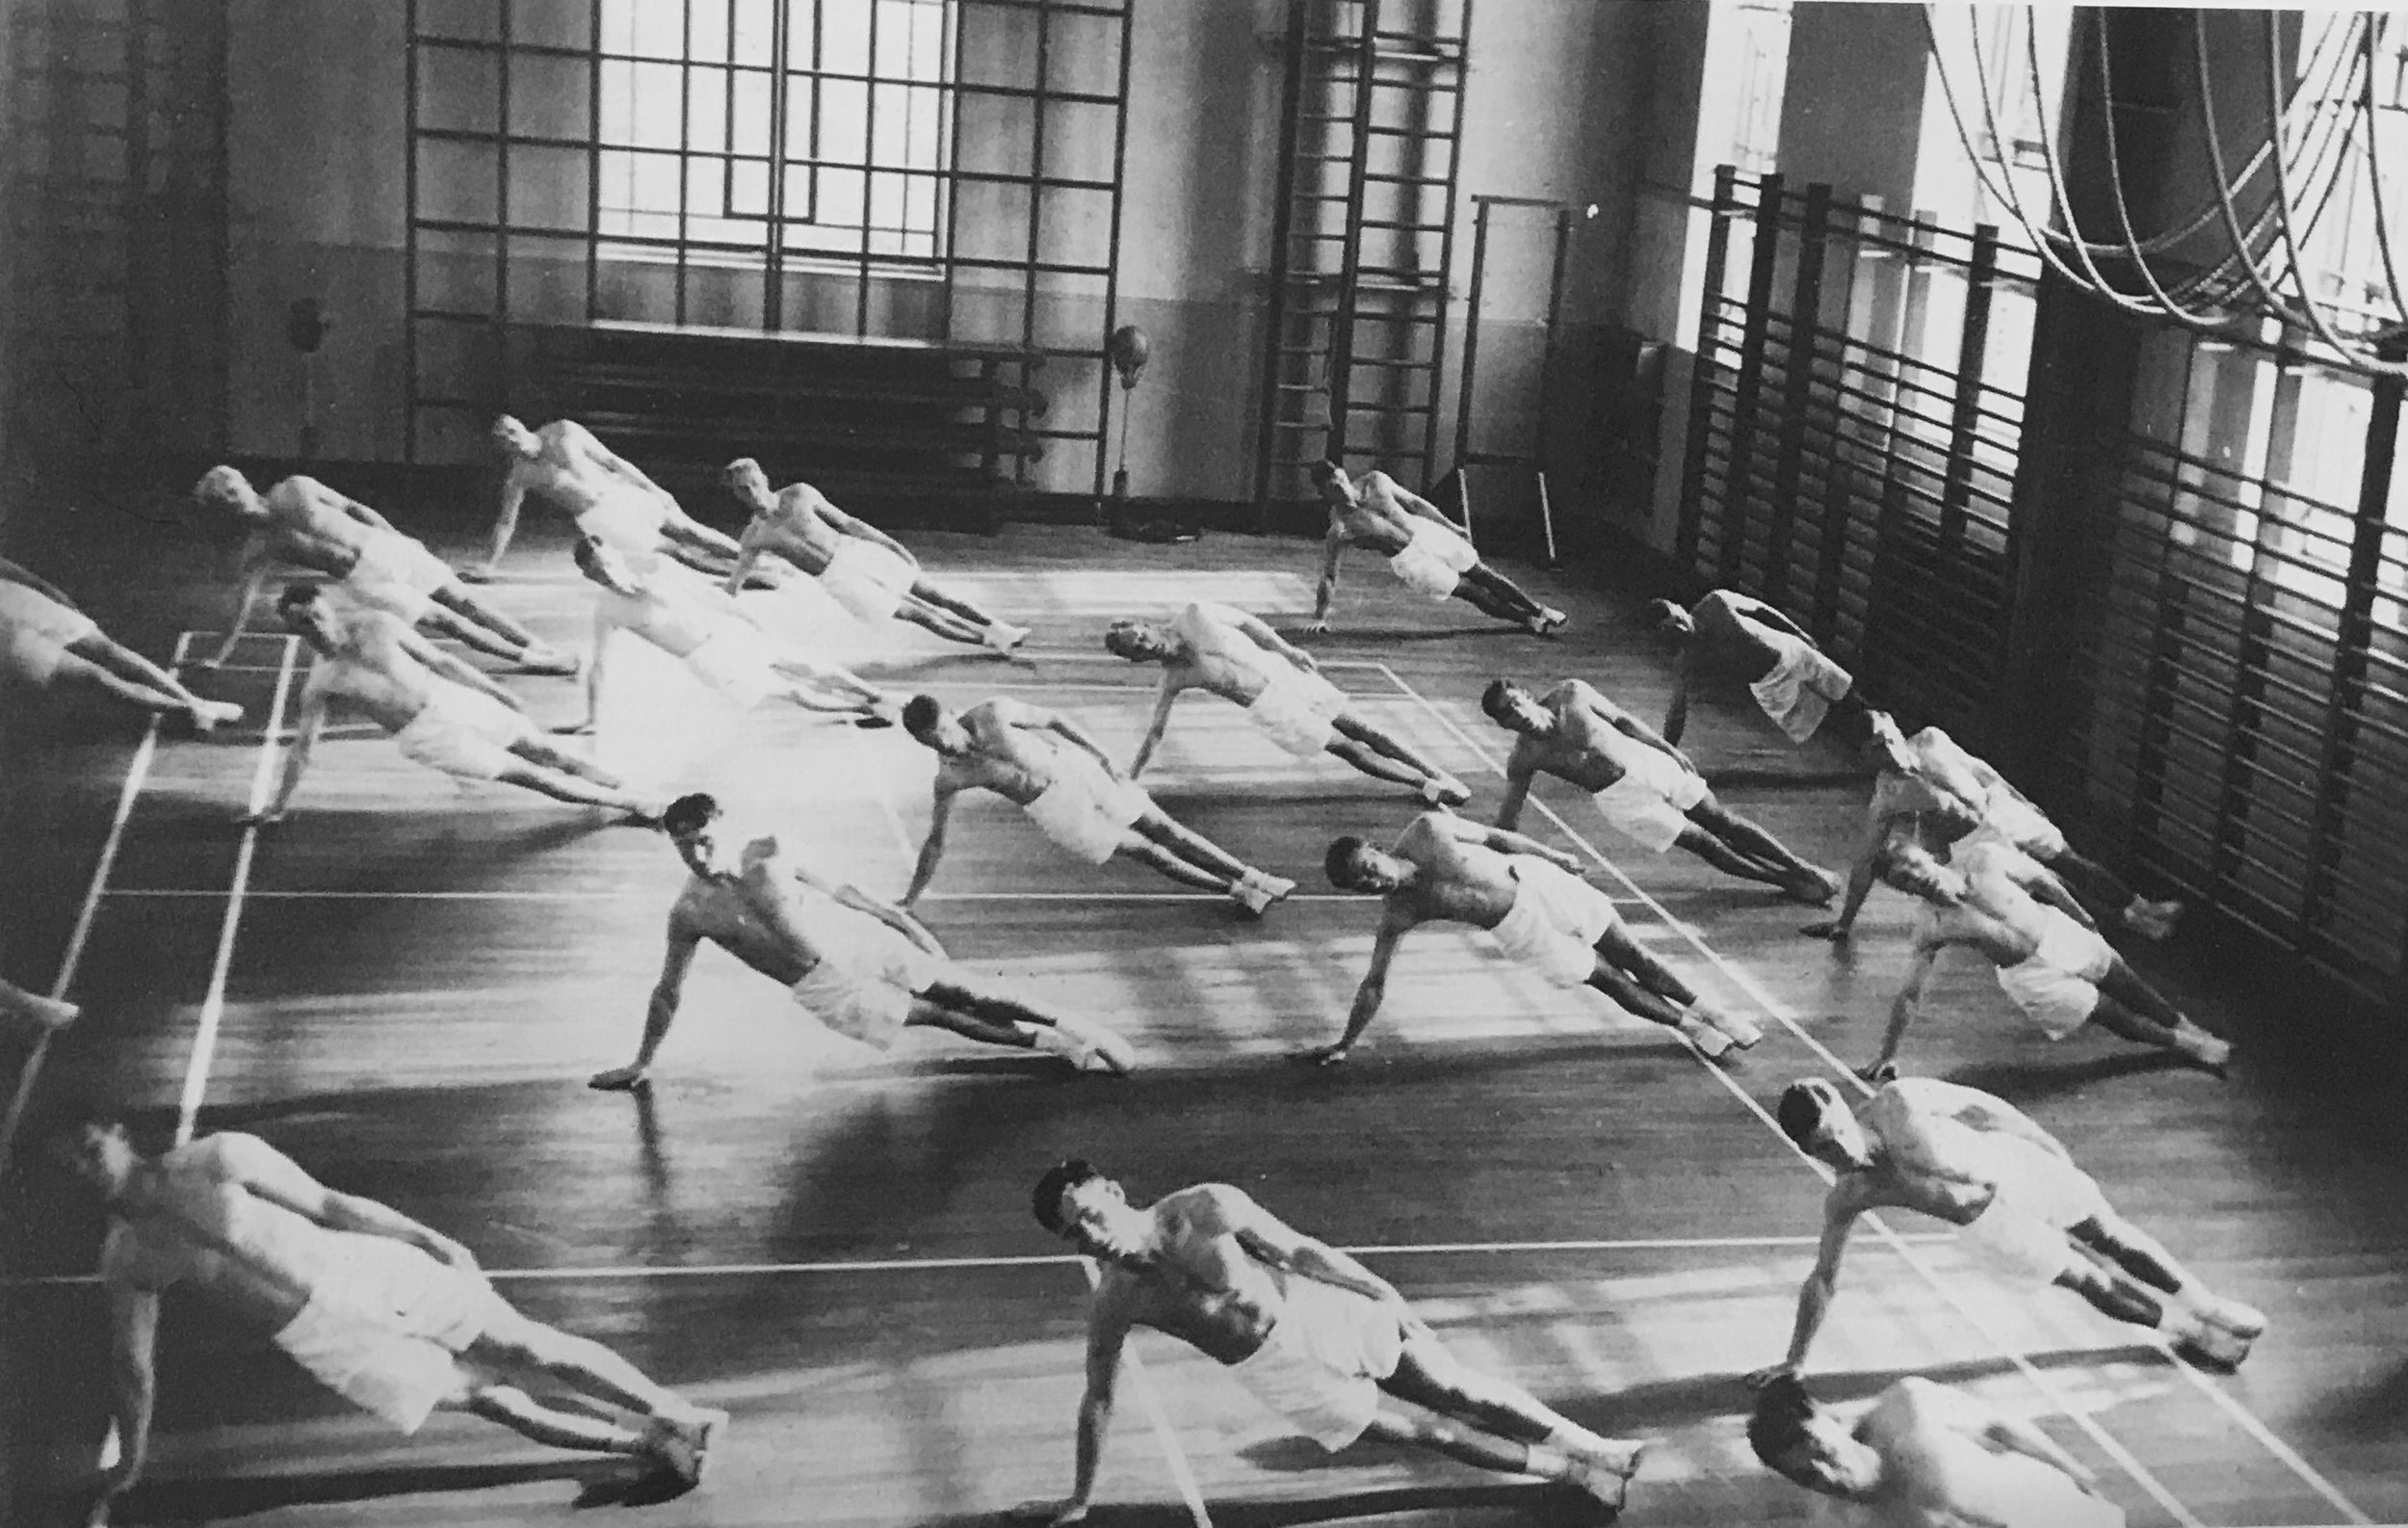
x: 1557, y: 92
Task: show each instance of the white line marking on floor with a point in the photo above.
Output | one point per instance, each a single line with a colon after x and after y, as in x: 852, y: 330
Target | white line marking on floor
x: 213, y: 1004
x: 654, y: 894
x: 1172, y: 1454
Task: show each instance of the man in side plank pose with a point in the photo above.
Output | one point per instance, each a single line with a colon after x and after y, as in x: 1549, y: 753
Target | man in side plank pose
x: 1320, y: 1339
x: 1740, y: 635
x: 389, y: 1314
x: 860, y: 566
x: 1047, y: 765
x: 1226, y: 652
x: 367, y: 564
x: 606, y: 495
x: 866, y: 970
x: 2023, y: 1210
x: 1445, y: 869
x: 46, y: 643
x: 1425, y: 551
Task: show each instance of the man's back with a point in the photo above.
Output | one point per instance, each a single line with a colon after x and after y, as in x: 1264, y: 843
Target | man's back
x: 311, y: 524
x: 372, y: 668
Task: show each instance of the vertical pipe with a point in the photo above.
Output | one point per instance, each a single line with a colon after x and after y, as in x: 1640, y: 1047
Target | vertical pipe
x: 1481, y: 209
x: 1797, y: 392
x: 869, y: 173
x: 1037, y: 175
x: 685, y: 148
x: 1547, y: 349
x: 773, y: 263
x: 410, y: 224
x: 1446, y: 236
x: 2345, y: 704
x: 1342, y: 317
x: 1737, y: 487
x: 1701, y: 393
x: 1111, y: 264
x: 593, y: 153
x: 501, y: 209
x: 1282, y: 266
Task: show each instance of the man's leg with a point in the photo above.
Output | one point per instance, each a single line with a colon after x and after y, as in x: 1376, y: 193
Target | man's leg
x: 929, y: 593
x: 955, y: 628
x: 685, y: 1432
x: 1384, y: 757
x: 1722, y: 857
x: 1756, y: 844
x: 535, y: 751
x: 1158, y: 828
x: 459, y: 602
x: 2146, y: 1259
x: 441, y: 620
x: 1713, y: 1030
x: 553, y: 1426
x: 1492, y: 593
x: 2133, y: 1009
x: 993, y: 1020
x: 2196, y: 1335
x: 1429, y: 1376
x: 119, y: 668
x: 572, y: 790
x: 863, y: 695
x: 2109, y: 898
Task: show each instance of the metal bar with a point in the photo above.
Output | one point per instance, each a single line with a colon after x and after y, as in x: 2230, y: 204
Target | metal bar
x: 1806, y: 310
x: 685, y: 159
x: 1461, y: 61
x: 593, y: 151
x: 1547, y: 360
x: 501, y: 209
x: 1752, y: 347
x: 1342, y: 326
x: 1112, y: 262
x: 950, y: 100
x: 1283, y: 234
x: 1471, y: 332
x: 409, y: 230
x: 1037, y: 164
x: 773, y: 247
x: 1695, y: 448
x: 868, y: 158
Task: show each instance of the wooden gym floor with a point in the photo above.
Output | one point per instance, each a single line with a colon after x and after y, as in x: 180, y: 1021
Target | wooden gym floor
x: 405, y: 985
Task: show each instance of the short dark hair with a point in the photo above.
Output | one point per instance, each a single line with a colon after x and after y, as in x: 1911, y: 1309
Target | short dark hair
x: 1323, y: 471
x: 59, y: 1126
x: 920, y: 713
x: 300, y: 591
x: 1800, y: 1112
x: 1778, y: 1424
x: 689, y: 812
x: 582, y: 552
x: 1492, y: 699
x: 1339, y: 863
x: 1045, y: 1202
x: 1661, y: 611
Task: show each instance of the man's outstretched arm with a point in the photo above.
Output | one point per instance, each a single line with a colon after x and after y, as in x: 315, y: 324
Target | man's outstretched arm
x: 932, y: 847
x: 660, y: 1009
x: 1154, y: 731
x: 1813, y: 1297
x: 1393, y: 927
x: 504, y: 525
x: 133, y: 1391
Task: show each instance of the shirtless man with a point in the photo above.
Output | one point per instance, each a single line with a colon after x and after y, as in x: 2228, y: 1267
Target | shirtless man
x: 1744, y: 638
x: 368, y: 563
x: 718, y: 643
x: 1226, y: 652
x: 2008, y: 908
x: 1644, y: 787
x: 45, y: 640
x: 1957, y: 794
x: 1428, y: 552
x: 442, y: 712
x: 2023, y: 1210
x: 1047, y: 765
x: 608, y: 497
x: 866, y: 970
x: 1316, y: 1337
x: 1924, y: 1456
x: 1532, y: 898
x: 389, y: 1314
x: 859, y: 565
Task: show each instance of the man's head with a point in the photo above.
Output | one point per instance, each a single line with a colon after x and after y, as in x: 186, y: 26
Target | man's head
x: 1355, y: 865
x: 303, y: 609
x: 516, y: 440
x: 1671, y: 621
x: 1141, y: 642
x: 688, y: 820
x: 94, y: 1145
x: 1812, y: 1115
x: 1091, y: 1212
x: 600, y: 562
x: 1515, y: 708
x: 1331, y: 483
x: 222, y: 488
x: 744, y: 479
x: 927, y: 721
x: 1808, y: 1445
x: 1905, y: 861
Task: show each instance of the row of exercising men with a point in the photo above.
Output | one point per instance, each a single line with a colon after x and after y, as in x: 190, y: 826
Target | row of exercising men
x: 1505, y: 713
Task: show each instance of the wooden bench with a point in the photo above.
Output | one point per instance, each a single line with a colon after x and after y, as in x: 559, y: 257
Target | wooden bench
x: 883, y: 423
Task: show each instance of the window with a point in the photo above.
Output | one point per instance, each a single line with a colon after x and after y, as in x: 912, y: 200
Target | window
x: 801, y: 127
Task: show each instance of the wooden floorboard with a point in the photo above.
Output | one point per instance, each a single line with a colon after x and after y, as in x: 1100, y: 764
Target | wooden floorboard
x: 421, y: 977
